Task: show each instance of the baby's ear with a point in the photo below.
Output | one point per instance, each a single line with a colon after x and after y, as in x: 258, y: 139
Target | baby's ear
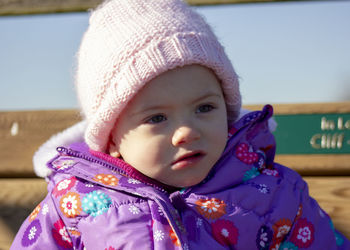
x: 112, y: 148
x: 115, y: 154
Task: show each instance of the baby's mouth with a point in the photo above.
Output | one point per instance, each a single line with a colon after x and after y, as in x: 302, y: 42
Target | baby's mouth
x: 188, y: 159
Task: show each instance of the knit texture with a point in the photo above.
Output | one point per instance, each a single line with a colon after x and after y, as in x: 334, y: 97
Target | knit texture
x: 130, y: 42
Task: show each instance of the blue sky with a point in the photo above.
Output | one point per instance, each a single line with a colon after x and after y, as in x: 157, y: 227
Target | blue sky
x: 284, y: 53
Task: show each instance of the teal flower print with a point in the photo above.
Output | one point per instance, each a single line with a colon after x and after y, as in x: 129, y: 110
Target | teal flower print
x: 250, y: 174
x: 288, y: 246
x: 96, y: 203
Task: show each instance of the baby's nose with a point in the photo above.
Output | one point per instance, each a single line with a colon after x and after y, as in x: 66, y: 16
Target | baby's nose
x: 184, y: 135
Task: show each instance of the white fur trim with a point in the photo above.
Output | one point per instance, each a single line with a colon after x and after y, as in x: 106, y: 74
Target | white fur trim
x: 48, y: 150
x: 272, y: 124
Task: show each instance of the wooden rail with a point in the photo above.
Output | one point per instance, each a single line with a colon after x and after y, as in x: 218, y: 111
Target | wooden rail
x: 29, y: 7
x: 21, y: 133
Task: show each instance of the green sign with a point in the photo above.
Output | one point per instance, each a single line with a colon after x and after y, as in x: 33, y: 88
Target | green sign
x: 313, y: 134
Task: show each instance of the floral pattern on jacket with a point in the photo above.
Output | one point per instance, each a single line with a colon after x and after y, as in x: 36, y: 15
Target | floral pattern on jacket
x: 246, y: 202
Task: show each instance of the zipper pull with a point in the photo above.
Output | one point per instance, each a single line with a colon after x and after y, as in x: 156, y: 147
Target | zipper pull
x: 66, y: 151
x: 60, y: 149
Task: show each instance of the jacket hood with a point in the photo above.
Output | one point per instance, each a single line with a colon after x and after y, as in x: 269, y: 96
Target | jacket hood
x: 75, y: 134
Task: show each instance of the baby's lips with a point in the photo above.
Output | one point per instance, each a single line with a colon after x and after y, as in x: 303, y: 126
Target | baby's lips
x: 188, y: 155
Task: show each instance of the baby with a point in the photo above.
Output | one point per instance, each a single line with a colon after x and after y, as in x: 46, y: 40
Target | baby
x: 167, y: 161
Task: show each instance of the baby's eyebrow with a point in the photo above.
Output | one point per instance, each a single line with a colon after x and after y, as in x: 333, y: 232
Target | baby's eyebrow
x: 163, y: 107
x: 207, y: 95
x: 148, y: 109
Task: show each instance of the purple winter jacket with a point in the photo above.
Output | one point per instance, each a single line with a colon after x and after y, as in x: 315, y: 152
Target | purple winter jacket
x: 246, y: 202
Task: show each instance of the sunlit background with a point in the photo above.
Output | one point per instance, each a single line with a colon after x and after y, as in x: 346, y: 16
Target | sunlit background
x: 292, y: 52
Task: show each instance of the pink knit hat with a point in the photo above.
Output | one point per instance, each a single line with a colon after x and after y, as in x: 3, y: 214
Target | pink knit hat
x: 128, y: 43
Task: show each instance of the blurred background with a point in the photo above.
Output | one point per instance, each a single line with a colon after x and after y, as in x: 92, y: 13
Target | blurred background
x: 290, y: 52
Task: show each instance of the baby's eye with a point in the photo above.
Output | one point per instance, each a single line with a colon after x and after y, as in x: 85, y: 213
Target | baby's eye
x: 205, y: 108
x: 156, y: 119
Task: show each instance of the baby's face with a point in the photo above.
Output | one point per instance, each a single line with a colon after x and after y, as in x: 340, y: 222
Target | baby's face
x: 175, y: 129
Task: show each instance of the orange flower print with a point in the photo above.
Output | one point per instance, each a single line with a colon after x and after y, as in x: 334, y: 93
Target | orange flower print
x: 174, y: 238
x: 35, y: 213
x: 275, y: 246
x: 280, y: 229
x: 106, y: 179
x: 70, y: 205
x: 211, y: 208
x: 74, y: 232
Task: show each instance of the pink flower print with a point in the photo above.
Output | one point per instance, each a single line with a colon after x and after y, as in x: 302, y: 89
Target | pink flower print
x: 32, y: 233
x: 303, y: 233
x: 225, y: 232
x: 211, y: 208
x: 60, y: 234
x: 270, y: 172
x: 281, y: 228
x: 232, y: 131
x: 63, y: 186
x: 110, y: 248
x: 70, y: 205
x: 245, y: 154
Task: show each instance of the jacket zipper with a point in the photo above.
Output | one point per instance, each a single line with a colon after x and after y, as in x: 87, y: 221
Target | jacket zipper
x: 77, y: 154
